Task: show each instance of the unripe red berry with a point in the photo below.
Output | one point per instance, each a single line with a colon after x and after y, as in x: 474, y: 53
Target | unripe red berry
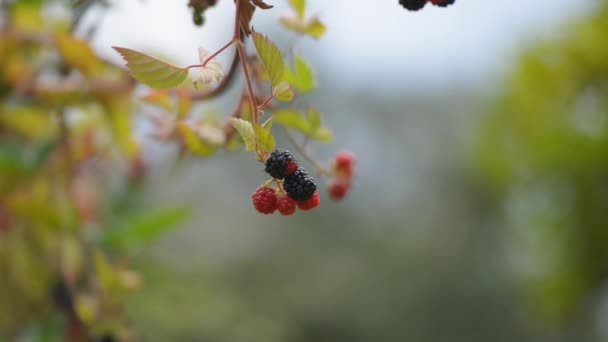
x: 311, y: 203
x: 344, y: 164
x: 338, y: 190
x: 265, y: 200
x: 286, y: 205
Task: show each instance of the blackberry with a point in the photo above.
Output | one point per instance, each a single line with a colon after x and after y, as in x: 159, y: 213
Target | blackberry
x: 300, y: 186
x: 412, y: 5
x: 442, y: 3
x: 281, y: 164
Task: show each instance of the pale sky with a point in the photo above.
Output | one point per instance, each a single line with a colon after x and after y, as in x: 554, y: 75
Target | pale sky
x: 381, y: 42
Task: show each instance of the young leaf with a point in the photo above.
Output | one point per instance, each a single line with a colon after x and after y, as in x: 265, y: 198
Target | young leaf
x: 283, y: 92
x: 301, y: 77
x: 271, y: 57
x: 246, y: 14
x: 151, y: 71
x: 299, y: 6
x: 264, y: 138
x: 315, y: 28
x: 246, y: 131
x: 261, y: 4
x: 211, y: 71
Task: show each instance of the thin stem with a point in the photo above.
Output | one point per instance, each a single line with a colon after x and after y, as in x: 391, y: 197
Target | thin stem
x: 266, y: 102
x: 232, y: 41
x: 252, y: 100
x: 320, y: 169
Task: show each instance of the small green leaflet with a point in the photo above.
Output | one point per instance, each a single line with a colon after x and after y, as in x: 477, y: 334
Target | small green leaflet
x: 313, y: 27
x: 264, y: 138
x: 283, y: 92
x: 309, y: 125
x: 151, y: 71
x: 271, y: 57
x: 301, y: 77
x: 246, y: 131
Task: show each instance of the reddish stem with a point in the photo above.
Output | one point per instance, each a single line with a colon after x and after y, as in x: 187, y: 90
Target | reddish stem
x: 266, y: 102
x: 232, y: 41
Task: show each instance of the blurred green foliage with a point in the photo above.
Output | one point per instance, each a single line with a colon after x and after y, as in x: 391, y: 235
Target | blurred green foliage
x: 544, y: 153
x: 70, y: 170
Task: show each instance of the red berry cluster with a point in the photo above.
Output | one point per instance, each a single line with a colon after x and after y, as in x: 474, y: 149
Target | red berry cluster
x: 343, y: 173
x: 414, y: 5
x: 267, y: 200
x: 295, y: 189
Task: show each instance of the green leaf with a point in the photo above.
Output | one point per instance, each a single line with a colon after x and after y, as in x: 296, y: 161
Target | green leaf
x: 268, y: 123
x: 151, y: 71
x: 264, y: 138
x: 309, y: 125
x: 314, y: 118
x: 283, y: 92
x: 301, y: 77
x: 271, y: 57
x: 299, y: 6
x: 78, y: 54
x: 193, y: 142
x: 292, y: 119
x: 246, y: 131
x: 144, y: 228
x: 315, y: 28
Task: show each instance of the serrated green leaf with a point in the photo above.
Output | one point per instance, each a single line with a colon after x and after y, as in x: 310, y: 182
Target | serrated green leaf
x: 283, y: 92
x: 151, y: 71
x: 144, y: 228
x: 271, y: 58
x: 246, y: 131
x: 301, y: 77
x: 299, y: 6
x: 264, y: 138
x: 193, y: 142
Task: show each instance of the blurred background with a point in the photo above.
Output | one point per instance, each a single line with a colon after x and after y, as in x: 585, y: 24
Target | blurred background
x: 479, y: 210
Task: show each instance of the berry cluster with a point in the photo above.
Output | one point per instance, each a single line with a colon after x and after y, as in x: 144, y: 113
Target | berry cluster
x: 295, y: 187
x: 343, y: 173
x: 414, y: 5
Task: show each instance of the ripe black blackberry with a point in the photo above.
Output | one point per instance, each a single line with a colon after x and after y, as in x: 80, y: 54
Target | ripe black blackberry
x: 413, y: 5
x: 300, y: 186
x: 442, y: 3
x: 281, y: 164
